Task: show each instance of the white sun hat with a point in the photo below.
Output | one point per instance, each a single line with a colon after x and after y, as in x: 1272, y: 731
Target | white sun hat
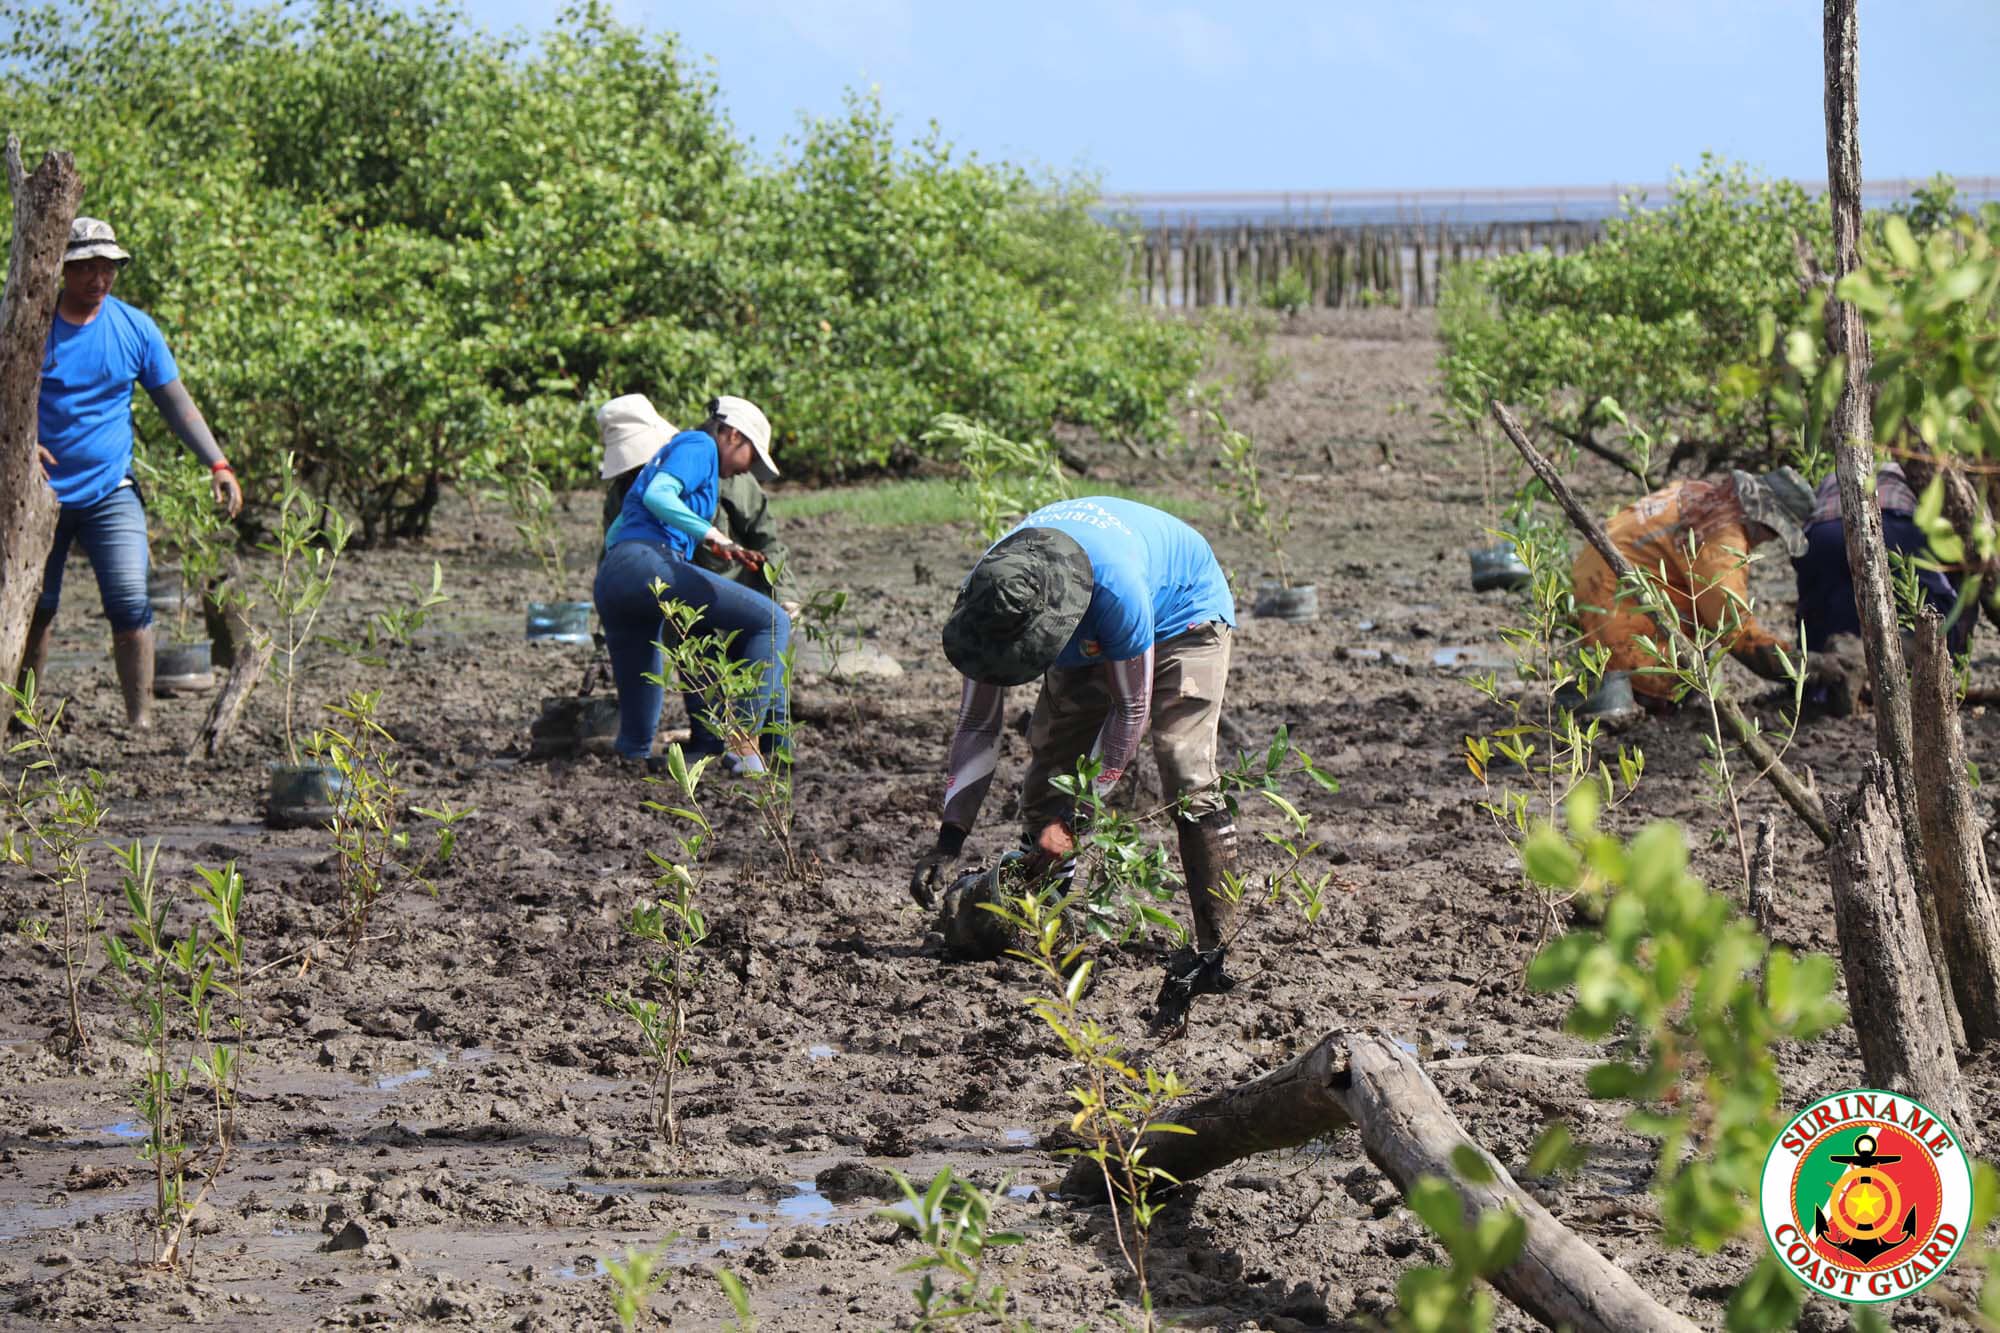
x: 90, y: 238
x: 632, y: 432
x: 745, y: 416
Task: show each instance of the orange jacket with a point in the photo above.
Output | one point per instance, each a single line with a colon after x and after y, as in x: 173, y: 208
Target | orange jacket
x: 1709, y: 587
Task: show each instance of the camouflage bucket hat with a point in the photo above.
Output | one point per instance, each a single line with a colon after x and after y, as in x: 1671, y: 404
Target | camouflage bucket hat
x: 1781, y: 501
x: 1018, y: 607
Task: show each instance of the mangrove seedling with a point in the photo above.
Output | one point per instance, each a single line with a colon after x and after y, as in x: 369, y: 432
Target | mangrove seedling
x: 674, y: 926
x: 1243, y: 481
x: 533, y: 504
x: 306, y: 544
x: 1005, y: 479
x: 184, y: 992
x: 953, y: 1220
x: 191, y: 530
x: 52, y: 816
x: 372, y: 850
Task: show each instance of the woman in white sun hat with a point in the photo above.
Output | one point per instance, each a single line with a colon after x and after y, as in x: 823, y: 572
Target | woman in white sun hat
x: 668, y: 514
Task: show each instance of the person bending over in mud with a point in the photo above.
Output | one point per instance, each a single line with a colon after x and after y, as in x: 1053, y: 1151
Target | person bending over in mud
x: 1700, y: 534
x: 1126, y: 617
x: 630, y: 430
x: 669, y: 512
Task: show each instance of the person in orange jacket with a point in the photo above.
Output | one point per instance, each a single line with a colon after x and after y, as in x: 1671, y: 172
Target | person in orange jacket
x: 1697, y: 535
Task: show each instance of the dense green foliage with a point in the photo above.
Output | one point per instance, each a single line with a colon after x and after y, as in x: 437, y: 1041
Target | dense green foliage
x: 1656, y: 317
x: 408, y: 251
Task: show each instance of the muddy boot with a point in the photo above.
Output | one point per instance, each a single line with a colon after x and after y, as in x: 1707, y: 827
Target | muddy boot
x: 35, y: 653
x: 1208, y: 853
x: 132, y: 650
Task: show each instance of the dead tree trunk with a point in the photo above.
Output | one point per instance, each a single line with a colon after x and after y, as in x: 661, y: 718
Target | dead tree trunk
x: 1795, y: 793
x: 1892, y: 990
x: 1954, y: 860
x: 44, y: 205
x: 1409, y: 1132
x: 1852, y: 435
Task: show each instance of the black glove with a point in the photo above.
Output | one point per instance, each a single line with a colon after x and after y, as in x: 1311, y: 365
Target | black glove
x: 930, y: 872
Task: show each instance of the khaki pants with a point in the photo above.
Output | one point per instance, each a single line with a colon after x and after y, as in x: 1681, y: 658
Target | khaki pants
x: 1189, y: 673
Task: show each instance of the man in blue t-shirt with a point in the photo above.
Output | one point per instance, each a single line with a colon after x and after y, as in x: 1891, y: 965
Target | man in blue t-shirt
x: 1126, y: 617
x: 98, y: 348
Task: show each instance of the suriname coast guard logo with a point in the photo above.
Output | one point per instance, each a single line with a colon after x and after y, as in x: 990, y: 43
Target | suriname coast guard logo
x: 1866, y: 1196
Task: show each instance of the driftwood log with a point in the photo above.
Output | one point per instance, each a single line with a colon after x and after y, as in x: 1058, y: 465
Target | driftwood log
x: 1899, y: 1018
x: 1796, y: 794
x: 1954, y: 858
x: 228, y: 706
x: 1409, y: 1132
x: 44, y: 205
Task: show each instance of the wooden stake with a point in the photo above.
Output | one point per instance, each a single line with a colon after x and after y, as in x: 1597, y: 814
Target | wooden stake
x: 223, y: 714
x: 1892, y: 991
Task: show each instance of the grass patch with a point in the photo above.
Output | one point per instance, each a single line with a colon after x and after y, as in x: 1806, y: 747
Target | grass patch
x: 931, y: 502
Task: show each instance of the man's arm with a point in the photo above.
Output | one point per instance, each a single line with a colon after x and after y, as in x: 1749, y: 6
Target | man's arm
x: 1125, y: 725
x: 1719, y: 577
x: 184, y: 419
x: 974, y: 754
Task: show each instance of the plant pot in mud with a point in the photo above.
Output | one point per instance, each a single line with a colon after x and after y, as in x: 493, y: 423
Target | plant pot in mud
x: 971, y: 933
x: 559, y: 622
x: 303, y: 795
x: 1279, y: 601
x: 574, y: 725
x: 1497, y: 567
x: 1611, y: 704
x: 182, y: 668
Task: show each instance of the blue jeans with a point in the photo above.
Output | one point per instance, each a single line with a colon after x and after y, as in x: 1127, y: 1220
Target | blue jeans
x: 633, y: 627
x: 1826, y: 586
x: 113, y: 533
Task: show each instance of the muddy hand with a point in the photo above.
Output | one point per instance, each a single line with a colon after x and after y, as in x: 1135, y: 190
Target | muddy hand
x: 1055, y: 844
x: 935, y: 864
x: 751, y: 560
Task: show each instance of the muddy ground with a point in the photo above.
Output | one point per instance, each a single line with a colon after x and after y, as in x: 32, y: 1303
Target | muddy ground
x: 461, y: 1105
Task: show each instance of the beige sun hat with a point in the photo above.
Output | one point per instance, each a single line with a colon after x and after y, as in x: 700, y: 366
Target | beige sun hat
x: 745, y: 416
x: 632, y: 432
x: 90, y: 238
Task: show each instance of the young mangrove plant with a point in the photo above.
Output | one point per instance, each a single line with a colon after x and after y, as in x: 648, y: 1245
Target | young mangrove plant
x: 532, y: 502
x: 306, y: 546
x: 700, y: 664
x: 1005, y: 479
x: 189, y: 528
x: 187, y: 996
x: 953, y: 1220
x: 52, y: 817
x: 1250, y: 509
x: 373, y: 851
x: 1116, y: 1105
x: 673, y: 925
x: 1548, y: 748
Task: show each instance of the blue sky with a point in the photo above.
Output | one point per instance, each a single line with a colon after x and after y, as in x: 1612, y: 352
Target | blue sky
x: 1206, y: 95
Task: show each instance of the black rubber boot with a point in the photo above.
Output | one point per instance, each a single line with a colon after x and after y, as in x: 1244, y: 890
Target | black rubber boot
x: 1208, y: 853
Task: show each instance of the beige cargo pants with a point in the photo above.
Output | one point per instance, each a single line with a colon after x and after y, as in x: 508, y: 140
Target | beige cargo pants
x: 1190, y: 672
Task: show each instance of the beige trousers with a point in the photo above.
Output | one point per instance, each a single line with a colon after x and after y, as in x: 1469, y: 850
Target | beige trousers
x: 1190, y: 672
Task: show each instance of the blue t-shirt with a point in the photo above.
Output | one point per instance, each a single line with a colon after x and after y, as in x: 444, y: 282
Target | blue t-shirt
x: 85, y: 415
x: 1155, y: 577
x: 690, y: 458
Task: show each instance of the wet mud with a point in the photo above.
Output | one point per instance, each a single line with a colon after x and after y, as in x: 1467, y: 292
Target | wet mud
x: 453, y: 1131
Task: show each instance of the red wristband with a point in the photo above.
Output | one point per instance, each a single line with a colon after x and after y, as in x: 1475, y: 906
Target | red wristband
x: 223, y: 466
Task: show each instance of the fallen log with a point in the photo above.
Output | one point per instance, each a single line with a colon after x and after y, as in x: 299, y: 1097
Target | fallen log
x: 1796, y: 794
x: 1409, y: 1132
